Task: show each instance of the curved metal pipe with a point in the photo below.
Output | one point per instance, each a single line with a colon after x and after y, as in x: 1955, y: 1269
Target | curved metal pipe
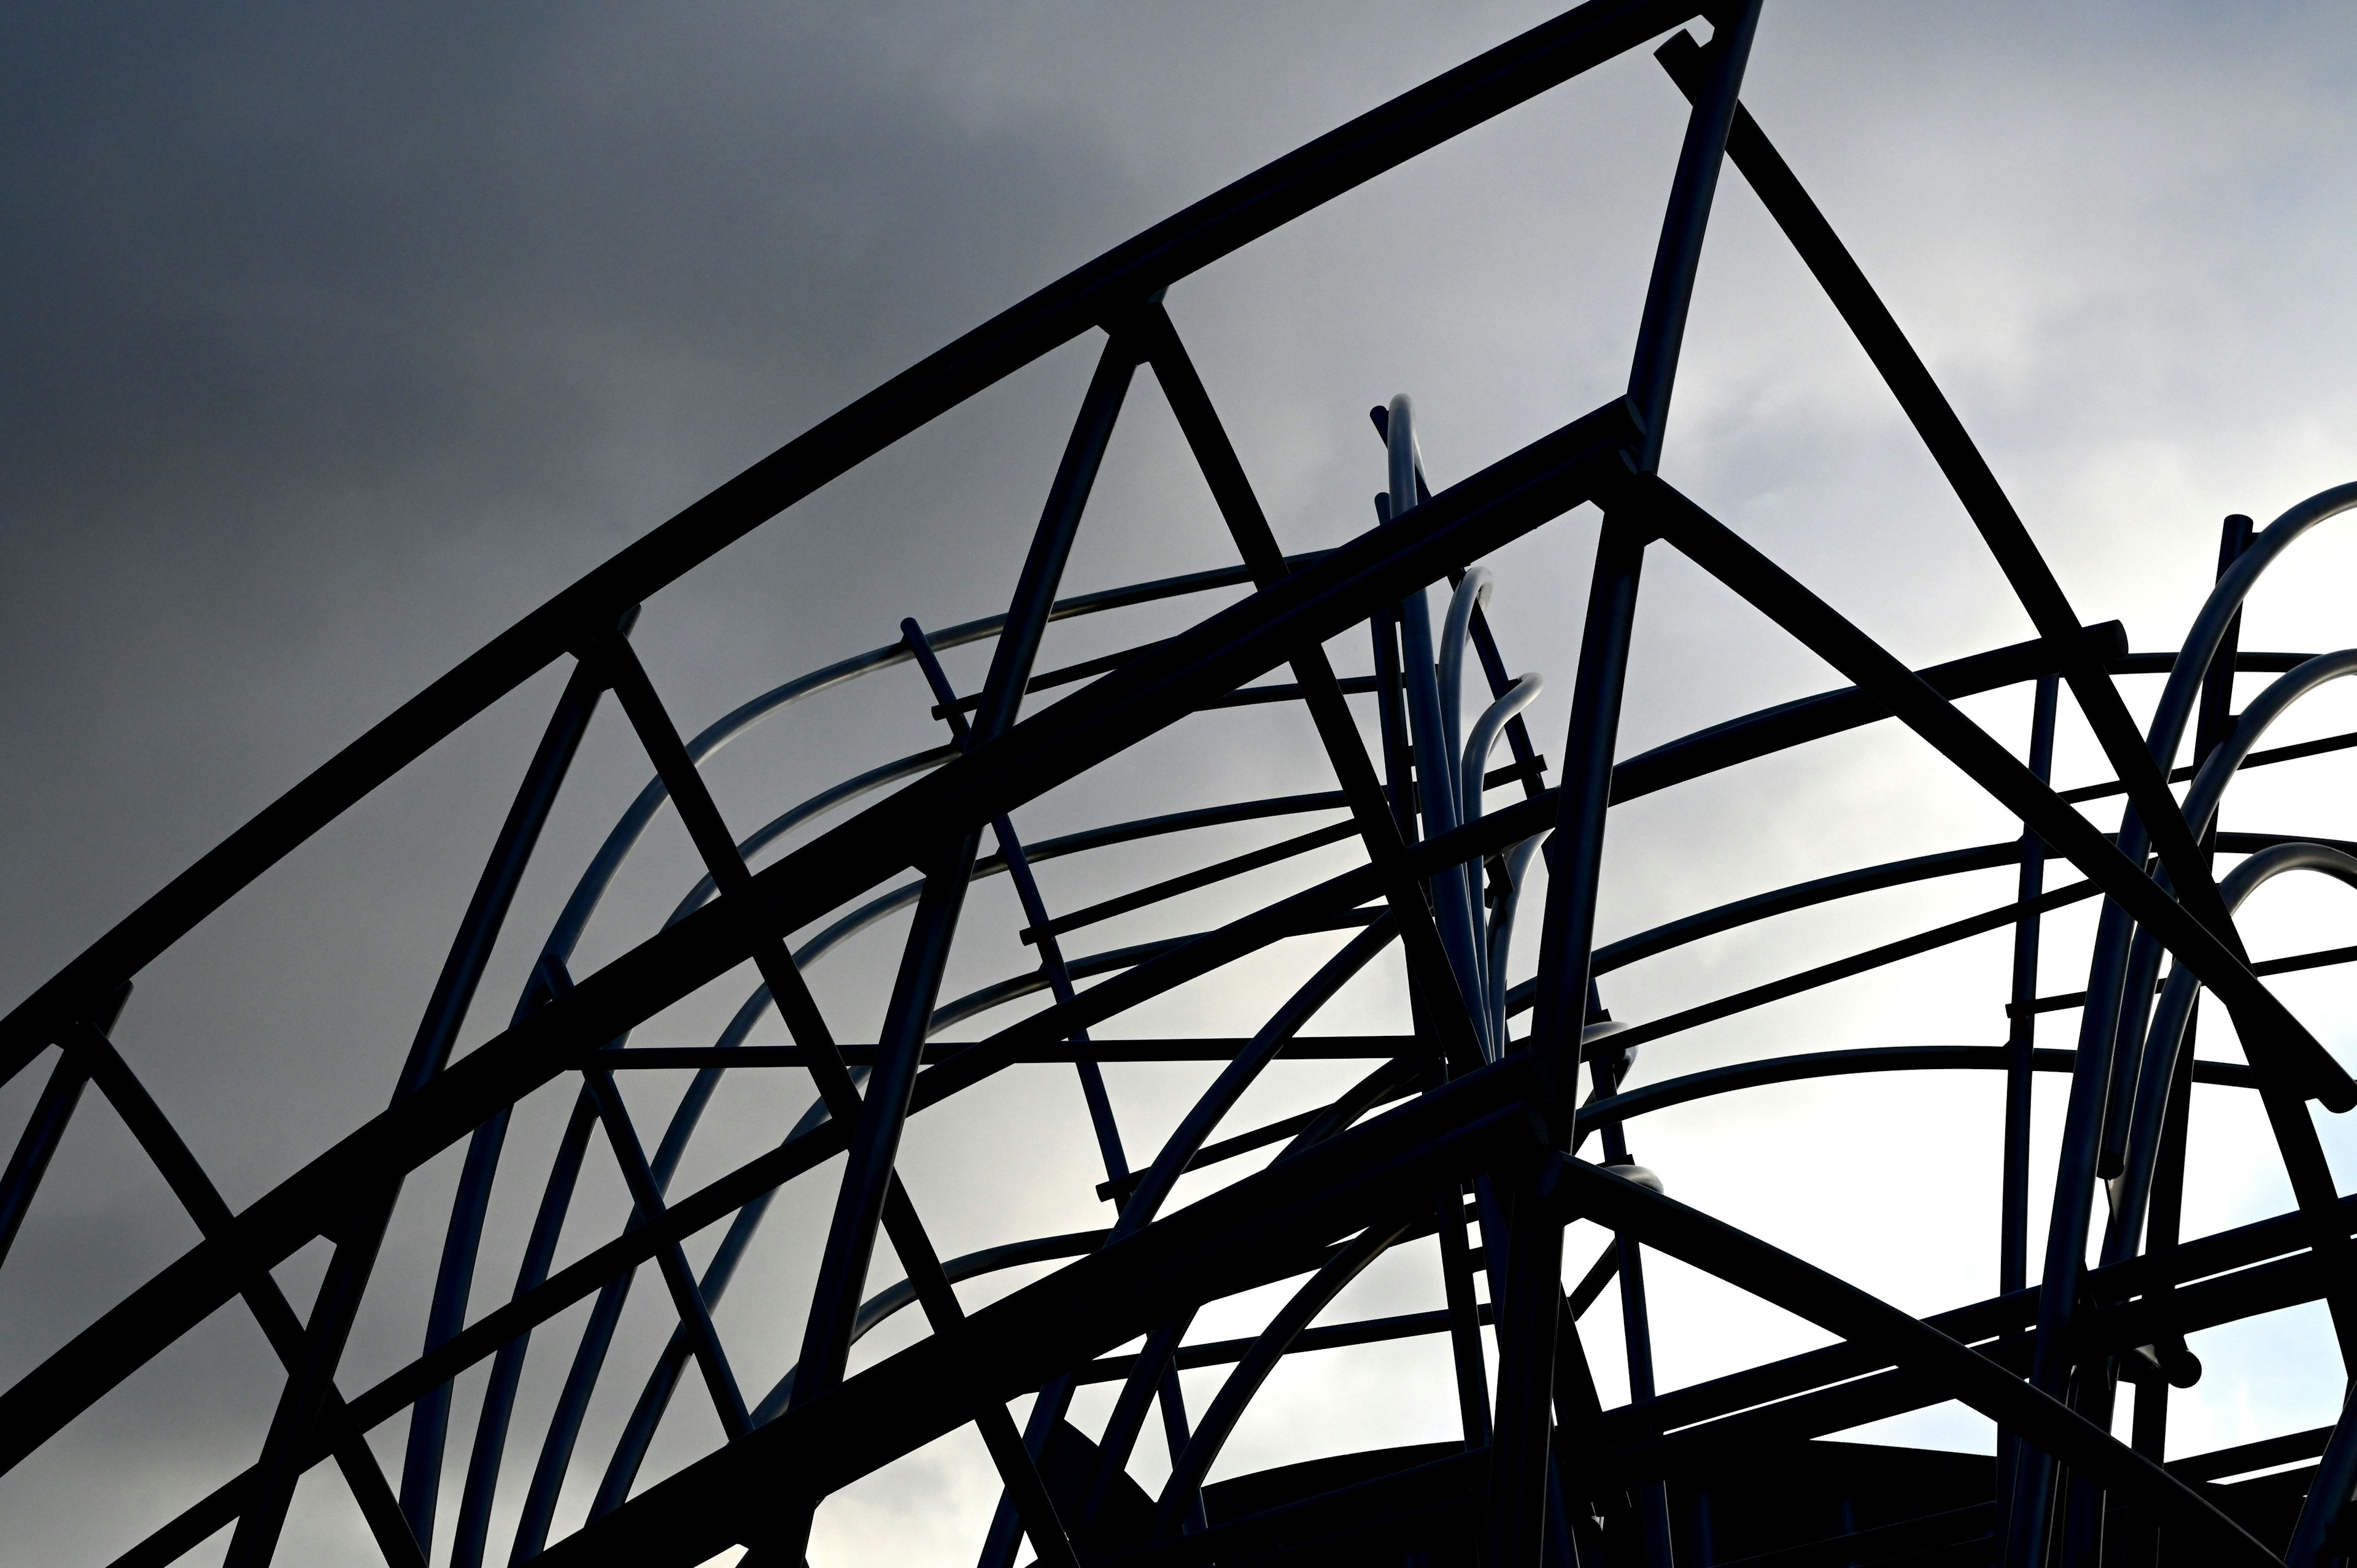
x: 646, y: 1416
x: 2134, y: 1189
x: 1201, y: 1120
x: 1472, y: 592
x: 2175, y: 709
x: 1631, y: 1104
x: 2112, y: 968
x: 785, y: 822
x: 484, y: 1152
x: 886, y: 1302
x: 564, y: 1430
x: 616, y: 847
x: 461, y: 1246
x: 1516, y: 865
x: 1194, y: 1462
x: 2202, y: 801
x: 2218, y: 770
x: 1486, y: 731
x: 1204, y: 1117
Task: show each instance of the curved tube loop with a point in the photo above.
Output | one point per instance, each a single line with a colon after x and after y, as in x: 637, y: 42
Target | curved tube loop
x: 2218, y: 768
x: 1517, y: 864
x: 459, y: 1247
x: 590, y: 1353
x: 2168, y: 1037
x: 2111, y: 971
x: 1394, y: 1080
x: 2202, y: 801
x: 608, y: 862
x: 2200, y: 646
x: 1473, y: 591
x: 1486, y: 731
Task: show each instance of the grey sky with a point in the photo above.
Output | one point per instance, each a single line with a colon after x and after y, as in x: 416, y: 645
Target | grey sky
x: 333, y: 339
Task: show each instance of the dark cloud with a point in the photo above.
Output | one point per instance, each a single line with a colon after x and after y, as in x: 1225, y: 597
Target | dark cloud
x: 332, y: 339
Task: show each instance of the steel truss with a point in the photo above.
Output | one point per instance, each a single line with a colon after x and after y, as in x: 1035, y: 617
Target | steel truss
x: 1461, y: 1125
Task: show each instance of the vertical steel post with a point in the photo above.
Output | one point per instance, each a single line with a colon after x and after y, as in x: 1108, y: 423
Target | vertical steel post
x: 1464, y: 1321
x: 2021, y: 1039
x: 1661, y: 331
x: 2111, y: 1010
x: 2085, y: 1541
x: 1527, y: 1321
x: 2021, y: 1026
x: 1637, y: 1332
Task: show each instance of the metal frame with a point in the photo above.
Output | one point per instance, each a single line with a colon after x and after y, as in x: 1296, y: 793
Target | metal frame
x: 1483, y: 1127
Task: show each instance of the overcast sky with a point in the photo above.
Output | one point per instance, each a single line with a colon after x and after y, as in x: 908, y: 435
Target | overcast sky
x: 334, y: 340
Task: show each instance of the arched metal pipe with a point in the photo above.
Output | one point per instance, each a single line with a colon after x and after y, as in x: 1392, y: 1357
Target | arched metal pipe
x: 1155, y: 1187
x: 1186, y: 1472
x: 785, y: 822
x: 1203, y: 1119
x: 1486, y: 731
x: 2218, y: 770
x: 646, y: 1416
x: 2108, y: 1026
x: 2175, y: 709
x: 2202, y: 801
x: 2111, y: 969
x: 1471, y: 593
x: 563, y: 1429
x: 729, y: 727
x: 2133, y: 1190
x: 1516, y: 865
x: 876, y: 1308
x: 462, y: 1244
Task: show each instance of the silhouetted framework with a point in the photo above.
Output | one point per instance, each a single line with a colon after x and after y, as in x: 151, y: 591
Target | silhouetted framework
x: 1471, y: 1125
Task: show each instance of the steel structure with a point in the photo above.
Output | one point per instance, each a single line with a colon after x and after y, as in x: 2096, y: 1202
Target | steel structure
x: 1461, y: 1125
